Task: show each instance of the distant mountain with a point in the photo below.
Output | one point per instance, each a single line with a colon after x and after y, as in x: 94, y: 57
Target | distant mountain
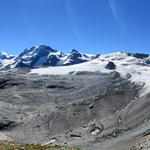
x: 4, y: 56
x: 5, y: 59
x: 44, y: 55
x: 145, y: 58
x: 76, y: 57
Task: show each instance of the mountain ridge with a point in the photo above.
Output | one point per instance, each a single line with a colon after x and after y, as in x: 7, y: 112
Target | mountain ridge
x: 44, y: 56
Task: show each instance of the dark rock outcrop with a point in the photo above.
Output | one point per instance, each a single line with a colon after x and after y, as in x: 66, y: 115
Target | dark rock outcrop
x: 6, y: 124
x: 110, y: 66
x: 75, y: 57
x: 147, y: 61
x: 51, y: 61
x: 139, y: 55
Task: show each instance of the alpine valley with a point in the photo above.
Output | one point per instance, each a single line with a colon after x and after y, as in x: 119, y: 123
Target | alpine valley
x: 92, y: 102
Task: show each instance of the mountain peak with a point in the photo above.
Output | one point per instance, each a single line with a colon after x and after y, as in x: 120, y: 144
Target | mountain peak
x: 44, y: 47
x: 75, y: 51
x: 4, y: 55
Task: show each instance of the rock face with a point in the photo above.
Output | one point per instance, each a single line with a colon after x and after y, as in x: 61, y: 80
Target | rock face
x: 6, y: 124
x: 139, y: 55
x: 147, y: 60
x: 75, y: 57
x: 110, y: 66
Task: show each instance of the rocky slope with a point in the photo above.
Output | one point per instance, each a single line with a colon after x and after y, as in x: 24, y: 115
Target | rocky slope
x: 83, y: 110
x: 102, y: 104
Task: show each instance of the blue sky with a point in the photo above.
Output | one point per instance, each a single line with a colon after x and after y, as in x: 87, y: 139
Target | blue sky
x: 90, y: 26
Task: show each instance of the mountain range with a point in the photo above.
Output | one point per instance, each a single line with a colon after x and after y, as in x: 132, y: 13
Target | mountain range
x: 43, y: 55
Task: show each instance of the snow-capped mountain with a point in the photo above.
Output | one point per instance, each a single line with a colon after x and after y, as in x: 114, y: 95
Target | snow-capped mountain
x: 4, y: 56
x: 117, y: 61
x: 44, y: 55
x: 5, y: 59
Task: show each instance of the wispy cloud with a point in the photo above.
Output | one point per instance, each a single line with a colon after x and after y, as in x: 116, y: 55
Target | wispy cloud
x: 115, y: 13
x: 72, y: 19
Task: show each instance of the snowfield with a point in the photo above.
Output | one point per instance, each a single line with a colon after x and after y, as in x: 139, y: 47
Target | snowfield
x: 125, y: 65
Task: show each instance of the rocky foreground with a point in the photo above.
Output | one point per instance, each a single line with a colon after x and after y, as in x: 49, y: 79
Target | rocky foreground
x: 142, y: 143
x: 89, y: 110
x: 8, y: 145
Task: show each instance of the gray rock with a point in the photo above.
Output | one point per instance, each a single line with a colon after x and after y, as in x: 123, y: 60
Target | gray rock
x: 74, y: 109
